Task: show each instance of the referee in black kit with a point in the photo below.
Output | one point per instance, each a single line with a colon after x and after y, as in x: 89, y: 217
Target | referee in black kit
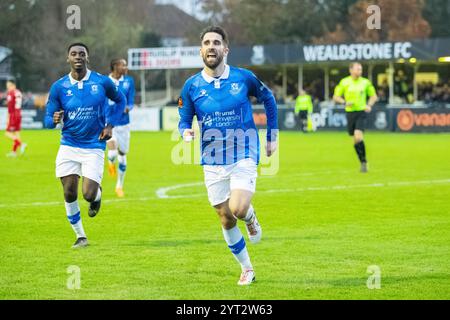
x: 353, y: 91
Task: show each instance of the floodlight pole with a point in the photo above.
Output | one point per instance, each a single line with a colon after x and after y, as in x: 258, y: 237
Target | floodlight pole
x: 168, y: 85
x: 285, y: 83
x: 415, y: 86
x: 391, y: 82
x: 326, y: 84
x: 300, y: 77
x: 370, y: 72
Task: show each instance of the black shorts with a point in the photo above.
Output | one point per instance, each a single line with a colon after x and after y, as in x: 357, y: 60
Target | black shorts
x: 356, y: 121
x: 303, y: 114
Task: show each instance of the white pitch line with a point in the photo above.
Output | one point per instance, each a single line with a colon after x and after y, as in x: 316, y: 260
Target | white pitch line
x: 161, y: 193
x: 372, y: 185
x: 308, y: 174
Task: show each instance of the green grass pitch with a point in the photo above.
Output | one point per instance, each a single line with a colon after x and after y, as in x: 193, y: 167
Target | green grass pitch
x: 324, y: 224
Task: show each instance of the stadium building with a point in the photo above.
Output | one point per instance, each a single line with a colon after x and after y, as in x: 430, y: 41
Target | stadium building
x: 407, y: 75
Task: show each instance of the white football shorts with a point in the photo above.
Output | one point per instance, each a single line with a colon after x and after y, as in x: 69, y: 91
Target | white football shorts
x: 220, y: 180
x: 121, y: 134
x: 86, y: 163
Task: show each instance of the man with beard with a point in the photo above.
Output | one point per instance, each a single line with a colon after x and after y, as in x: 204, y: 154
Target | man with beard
x: 219, y: 97
x: 77, y: 101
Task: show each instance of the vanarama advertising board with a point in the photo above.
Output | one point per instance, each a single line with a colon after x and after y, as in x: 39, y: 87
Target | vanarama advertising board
x: 423, y: 120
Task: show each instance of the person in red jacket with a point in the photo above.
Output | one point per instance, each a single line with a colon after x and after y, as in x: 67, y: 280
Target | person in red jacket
x: 14, y: 101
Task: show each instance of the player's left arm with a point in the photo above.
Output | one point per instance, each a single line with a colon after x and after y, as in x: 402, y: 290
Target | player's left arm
x: 265, y: 96
x: 373, y: 98
x: 186, y: 111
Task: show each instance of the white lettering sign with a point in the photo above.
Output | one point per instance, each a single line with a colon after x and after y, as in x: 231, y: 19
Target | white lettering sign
x: 358, y: 51
x: 164, y: 58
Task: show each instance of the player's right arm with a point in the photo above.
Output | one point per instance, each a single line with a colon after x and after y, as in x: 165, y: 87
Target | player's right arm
x: 187, y: 111
x: 54, y: 113
x: 339, y: 92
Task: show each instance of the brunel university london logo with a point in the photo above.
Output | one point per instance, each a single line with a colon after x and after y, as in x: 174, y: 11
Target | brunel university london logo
x: 73, y: 114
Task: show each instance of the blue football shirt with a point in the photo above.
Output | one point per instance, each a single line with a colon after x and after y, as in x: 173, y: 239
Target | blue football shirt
x: 126, y: 86
x: 83, y: 103
x: 224, y: 111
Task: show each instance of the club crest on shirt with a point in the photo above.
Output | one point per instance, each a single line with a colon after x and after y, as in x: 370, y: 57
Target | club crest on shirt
x: 203, y: 93
x: 69, y: 93
x: 234, y: 88
x: 94, y: 89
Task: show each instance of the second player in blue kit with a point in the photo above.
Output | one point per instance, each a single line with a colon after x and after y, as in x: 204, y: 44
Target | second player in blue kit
x: 119, y: 144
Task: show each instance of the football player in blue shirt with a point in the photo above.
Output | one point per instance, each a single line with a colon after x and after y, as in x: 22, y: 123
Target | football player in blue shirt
x: 219, y: 97
x: 119, y: 144
x: 78, y: 101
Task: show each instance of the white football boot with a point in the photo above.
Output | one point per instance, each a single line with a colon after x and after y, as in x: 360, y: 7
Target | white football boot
x: 254, y: 230
x: 247, y: 277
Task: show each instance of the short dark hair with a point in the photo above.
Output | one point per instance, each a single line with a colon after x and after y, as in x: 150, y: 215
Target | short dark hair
x: 77, y: 44
x: 115, y: 62
x: 215, y: 29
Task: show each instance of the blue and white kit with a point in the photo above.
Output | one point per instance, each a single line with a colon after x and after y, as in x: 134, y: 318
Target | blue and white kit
x: 121, y: 132
x: 83, y: 103
x: 230, y: 145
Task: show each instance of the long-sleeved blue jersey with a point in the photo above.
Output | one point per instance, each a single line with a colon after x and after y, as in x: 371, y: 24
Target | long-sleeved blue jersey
x: 126, y: 85
x: 224, y: 112
x: 83, y: 103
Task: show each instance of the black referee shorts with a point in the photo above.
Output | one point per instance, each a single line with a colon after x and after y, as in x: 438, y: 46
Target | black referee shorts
x: 356, y: 121
x: 303, y: 114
